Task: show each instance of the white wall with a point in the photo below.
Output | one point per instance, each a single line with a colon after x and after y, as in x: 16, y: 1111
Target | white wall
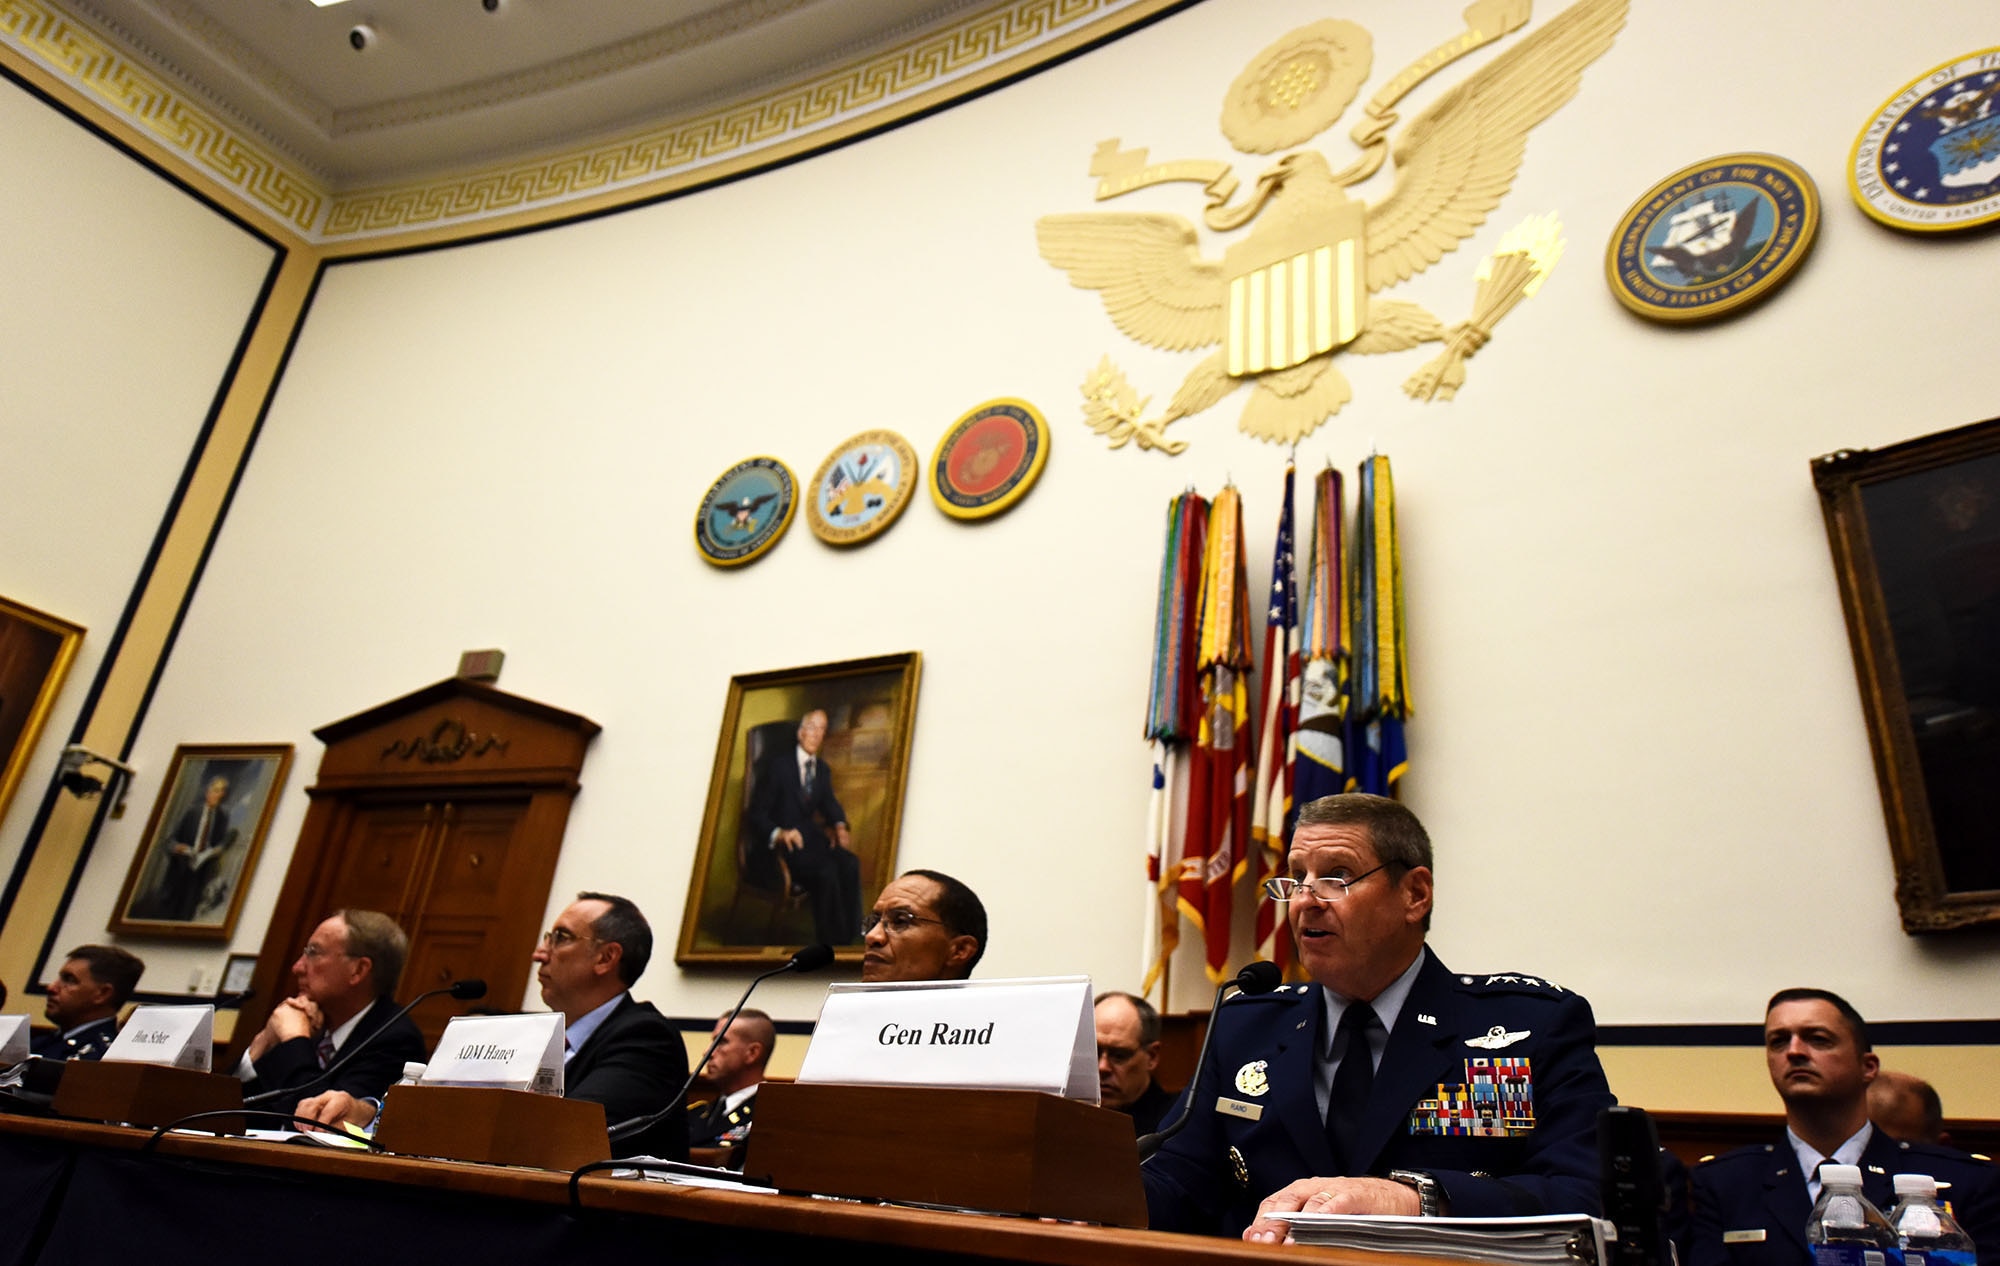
x: 123, y: 301
x: 1638, y: 742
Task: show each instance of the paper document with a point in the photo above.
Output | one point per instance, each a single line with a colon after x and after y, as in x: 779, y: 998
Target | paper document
x: 1556, y: 1238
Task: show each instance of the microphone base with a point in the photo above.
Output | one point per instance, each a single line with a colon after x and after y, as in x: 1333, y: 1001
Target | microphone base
x: 492, y: 1126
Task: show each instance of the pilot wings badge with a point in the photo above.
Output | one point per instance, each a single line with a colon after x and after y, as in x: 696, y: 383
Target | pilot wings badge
x: 1496, y: 1038
x: 1305, y: 281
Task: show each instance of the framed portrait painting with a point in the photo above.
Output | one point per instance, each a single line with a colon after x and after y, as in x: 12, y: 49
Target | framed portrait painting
x: 201, y: 842
x: 1915, y: 531
x: 36, y: 650
x: 804, y: 808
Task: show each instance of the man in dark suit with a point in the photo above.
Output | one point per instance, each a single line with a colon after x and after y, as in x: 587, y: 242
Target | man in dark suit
x: 617, y: 1051
x: 93, y: 983
x: 194, y: 855
x: 347, y: 981
x: 1390, y: 1084
x: 1751, y: 1205
x: 793, y: 813
x: 1128, y: 1050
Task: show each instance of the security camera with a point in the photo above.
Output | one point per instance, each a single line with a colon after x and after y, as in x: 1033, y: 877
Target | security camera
x: 491, y: 6
x: 361, y: 37
x: 83, y: 786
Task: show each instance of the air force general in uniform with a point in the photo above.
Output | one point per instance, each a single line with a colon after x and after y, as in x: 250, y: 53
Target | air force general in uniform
x: 1477, y: 1095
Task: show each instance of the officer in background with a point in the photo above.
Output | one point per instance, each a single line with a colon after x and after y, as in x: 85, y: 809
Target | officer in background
x: 1751, y: 1205
x: 90, y: 988
x: 1390, y: 1084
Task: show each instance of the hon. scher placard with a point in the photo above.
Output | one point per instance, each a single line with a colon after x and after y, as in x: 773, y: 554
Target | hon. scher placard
x: 989, y: 1034
x: 179, y: 1037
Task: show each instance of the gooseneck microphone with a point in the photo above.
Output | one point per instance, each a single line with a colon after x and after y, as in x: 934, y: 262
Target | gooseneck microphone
x: 1258, y: 977
x: 811, y: 958
x: 462, y: 990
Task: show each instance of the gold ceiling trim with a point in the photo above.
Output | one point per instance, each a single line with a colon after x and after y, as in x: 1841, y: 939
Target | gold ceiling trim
x: 917, y: 74
x: 818, y: 111
x: 108, y: 77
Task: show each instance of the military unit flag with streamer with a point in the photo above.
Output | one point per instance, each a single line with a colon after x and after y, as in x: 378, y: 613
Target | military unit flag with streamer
x: 1272, y: 806
x: 1214, y: 846
x: 1173, y: 717
x: 1319, y: 757
x: 1381, y: 694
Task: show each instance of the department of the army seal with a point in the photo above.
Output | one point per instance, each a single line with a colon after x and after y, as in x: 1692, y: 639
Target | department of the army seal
x: 1713, y: 238
x: 1251, y: 1079
x: 1929, y: 159
x: 745, y: 511
x: 989, y: 459
x: 861, y: 488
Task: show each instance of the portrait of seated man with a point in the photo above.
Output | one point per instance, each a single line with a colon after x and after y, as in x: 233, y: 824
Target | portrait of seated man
x: 794, y: 814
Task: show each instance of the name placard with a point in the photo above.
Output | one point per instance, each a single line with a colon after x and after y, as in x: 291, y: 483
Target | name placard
x: 179, y: 1037
x: 514, y: 1052
x: 989, y: 1034
x: 13, y: 1040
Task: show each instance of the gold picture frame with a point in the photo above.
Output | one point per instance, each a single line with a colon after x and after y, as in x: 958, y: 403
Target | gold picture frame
x: 36, y: 651
x: 1915, y: 533
x: 768, y: 871
x: 202, y: 840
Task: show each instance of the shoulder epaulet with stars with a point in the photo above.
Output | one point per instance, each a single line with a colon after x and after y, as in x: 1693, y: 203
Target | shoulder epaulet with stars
x: 1511, y: 982
x: 1283, y: 993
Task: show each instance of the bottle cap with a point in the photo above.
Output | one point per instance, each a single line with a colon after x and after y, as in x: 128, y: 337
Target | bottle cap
x: 1839, y: 1175
x: 414, y: 1071
x: 1916, y: 1185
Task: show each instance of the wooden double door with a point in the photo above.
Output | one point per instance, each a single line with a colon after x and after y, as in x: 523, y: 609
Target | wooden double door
x: 444, y: 810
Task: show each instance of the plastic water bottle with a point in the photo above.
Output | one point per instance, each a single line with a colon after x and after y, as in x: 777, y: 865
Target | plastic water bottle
x: 1925, y: 1230
x: 413, y: 1072
x: 1845, y: 1229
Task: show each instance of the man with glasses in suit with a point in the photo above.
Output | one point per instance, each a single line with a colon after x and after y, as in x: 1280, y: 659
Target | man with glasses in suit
x: 925, y: 926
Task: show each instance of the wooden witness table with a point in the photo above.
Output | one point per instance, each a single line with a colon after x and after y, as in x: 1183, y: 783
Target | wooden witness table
x: 75, y: 1193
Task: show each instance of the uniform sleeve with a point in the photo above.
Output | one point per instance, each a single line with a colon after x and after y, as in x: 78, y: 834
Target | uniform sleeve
x: 1975, y: 1202
x: 1186, y: 1188
x: 1559, y: 1174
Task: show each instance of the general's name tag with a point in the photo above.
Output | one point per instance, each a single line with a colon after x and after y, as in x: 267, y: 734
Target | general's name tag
x: 179, y: 1037
x: 1755, y: 1235
x: 515, y: 1052
x: 1238, y: 1108
x: 984, y: 1034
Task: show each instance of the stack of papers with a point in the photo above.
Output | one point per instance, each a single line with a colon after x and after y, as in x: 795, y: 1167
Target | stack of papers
x: 1556, y: 1239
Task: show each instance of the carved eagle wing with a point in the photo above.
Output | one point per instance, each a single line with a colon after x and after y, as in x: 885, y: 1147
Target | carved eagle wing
x: 1147, y: 268
x: 1458, y: 159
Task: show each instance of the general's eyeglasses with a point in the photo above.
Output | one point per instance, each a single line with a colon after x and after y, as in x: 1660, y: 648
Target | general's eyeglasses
x: 1326, y: 887
x: 897, y: 921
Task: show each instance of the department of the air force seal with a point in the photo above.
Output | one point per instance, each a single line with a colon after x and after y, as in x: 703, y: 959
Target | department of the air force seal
x: 1713, y: 238
x: 1251, y: 1078
x: 746, y: 511
x: 861, y: 488
x: 989, y: 459
x: 1929, y: 161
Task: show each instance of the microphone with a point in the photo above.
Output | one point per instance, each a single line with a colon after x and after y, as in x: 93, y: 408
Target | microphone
x: 461, y: 990
x: 811, y: 958
x: 1258, y: 977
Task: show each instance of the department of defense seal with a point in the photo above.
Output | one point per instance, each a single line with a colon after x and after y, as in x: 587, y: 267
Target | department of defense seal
x: 1251, y: 1078
x: 1713, y: 238
x: 861, y: 488
x: 989, y: 459
x: 745, y: 511
x: 1929, y: 160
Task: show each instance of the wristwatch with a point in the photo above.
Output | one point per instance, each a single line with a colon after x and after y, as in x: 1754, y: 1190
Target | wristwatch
x: 1432, y: 1196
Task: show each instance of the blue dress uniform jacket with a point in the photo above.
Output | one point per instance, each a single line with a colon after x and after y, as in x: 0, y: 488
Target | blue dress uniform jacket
x: 1211, y: 1176
x: 1760, y: 1189
x: 88, y: 1041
